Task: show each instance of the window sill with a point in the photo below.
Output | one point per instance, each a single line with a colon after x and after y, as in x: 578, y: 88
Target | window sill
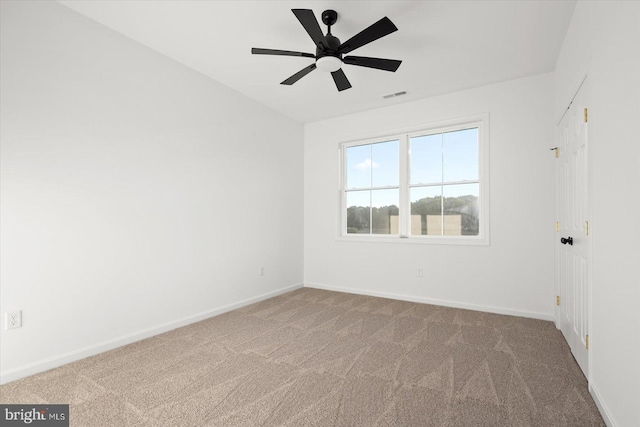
x: 420, y: 240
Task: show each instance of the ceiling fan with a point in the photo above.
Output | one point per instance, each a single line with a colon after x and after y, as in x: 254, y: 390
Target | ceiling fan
x: 329, y: 50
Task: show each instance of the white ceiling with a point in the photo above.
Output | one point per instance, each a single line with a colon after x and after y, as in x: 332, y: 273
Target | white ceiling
x: 445, y: 46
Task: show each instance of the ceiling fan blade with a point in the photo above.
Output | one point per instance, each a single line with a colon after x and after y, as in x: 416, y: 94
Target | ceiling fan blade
x: 380, y: 29
x: 341, y: 80
x: 260, y: 51
x: 310, y: 24
x: 300, y: 74
x: 377, y: 63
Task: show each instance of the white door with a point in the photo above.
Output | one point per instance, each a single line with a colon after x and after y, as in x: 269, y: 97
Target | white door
x: 573, y: 247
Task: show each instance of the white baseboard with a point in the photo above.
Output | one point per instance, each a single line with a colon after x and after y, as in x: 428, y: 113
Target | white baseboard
x: 446, y: 303
x: 72, y: 356
x: 606, y: 414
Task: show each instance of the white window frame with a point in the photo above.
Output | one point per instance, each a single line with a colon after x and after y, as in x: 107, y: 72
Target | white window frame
x: 403, y: 136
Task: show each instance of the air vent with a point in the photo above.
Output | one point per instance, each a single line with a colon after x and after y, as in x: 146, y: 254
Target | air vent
x: 391, y: 95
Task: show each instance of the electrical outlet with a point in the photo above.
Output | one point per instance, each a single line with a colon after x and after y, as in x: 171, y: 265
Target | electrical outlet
x: 261, y: 271
x: 13, y: 320
x: 419, y: 272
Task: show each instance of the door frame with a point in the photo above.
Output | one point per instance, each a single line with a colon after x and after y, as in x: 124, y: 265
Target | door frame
x: 582, y: 77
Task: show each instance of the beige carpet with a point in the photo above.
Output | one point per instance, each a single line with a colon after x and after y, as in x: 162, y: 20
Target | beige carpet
x: 320, y: 358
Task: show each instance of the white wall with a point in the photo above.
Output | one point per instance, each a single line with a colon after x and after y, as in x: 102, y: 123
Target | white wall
x: 512, y: 275
x: 137, y: 194
x: 604, y: 37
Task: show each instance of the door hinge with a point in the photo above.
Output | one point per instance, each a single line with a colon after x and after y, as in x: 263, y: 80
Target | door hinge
x: 586, y: 228
x: 557, y: 226
x: 586, y: 115
x: 557, y: 299
x: 586, y: 342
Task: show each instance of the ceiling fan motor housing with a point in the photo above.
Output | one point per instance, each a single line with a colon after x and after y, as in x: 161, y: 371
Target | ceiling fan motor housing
x: 331, y: 49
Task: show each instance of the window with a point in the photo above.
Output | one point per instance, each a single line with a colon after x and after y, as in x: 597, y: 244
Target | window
x: 423, y: 186
x: 373, y: 191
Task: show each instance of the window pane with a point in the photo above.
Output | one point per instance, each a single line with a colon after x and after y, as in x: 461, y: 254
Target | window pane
x: 426, y: 210
x: 461, y: 209
x: 426, y: 159
x: 460, y: 154
x: 359, y: 166
x: 358, y: 212
x: 384, y: 161
x: 384, y: 211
